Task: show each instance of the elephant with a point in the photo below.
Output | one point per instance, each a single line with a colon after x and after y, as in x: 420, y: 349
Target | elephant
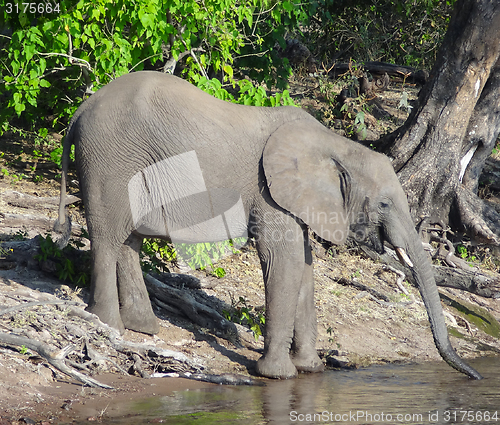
x: 158, y: 157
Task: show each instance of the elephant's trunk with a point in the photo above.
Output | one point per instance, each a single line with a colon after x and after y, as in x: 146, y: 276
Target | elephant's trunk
x: 422, y: 272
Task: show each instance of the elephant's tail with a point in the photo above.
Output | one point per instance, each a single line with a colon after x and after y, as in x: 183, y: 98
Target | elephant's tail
x: 63, y: 222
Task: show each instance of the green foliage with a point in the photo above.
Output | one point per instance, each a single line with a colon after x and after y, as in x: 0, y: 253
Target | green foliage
x: 219, y: 272
x: 242, y: 314
x: 358, y: 126
x: 394, y: 31
x: 71, y: 264
x: 331, y: 337
x: 496, y: 149
x: 20, y: 235
x: 203, y: 255
x: 48, y: 58
x: 248, y: 93
x: 154, y: 255
x: 356, y: 274
x: 463, y: 253
x: 37, y: 145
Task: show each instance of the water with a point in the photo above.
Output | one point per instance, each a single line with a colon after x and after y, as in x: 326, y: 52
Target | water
x: 430, y: 393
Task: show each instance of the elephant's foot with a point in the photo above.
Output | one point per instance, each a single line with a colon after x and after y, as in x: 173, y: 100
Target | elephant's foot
x: 308, y: 362
x: 277, y: 368
x: 142, y: 320
x: 106, y: 315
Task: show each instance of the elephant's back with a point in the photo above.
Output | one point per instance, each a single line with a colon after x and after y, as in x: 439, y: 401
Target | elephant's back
x: 144, y: 117
x: 151, y: 99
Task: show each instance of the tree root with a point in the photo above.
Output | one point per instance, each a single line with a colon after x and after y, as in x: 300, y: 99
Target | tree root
x: 373, y: 292
x: 137, y: 367
x: 194, y: 305
x: 480, y: 219
x: 377, y: 296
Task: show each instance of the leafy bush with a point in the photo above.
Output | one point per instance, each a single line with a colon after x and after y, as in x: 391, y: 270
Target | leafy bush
x: 248, y: 93
x: 50, y: 60
x: 394, y: 31
x: 242, y: 314
x: 156, y: 253
x: 72, y: 264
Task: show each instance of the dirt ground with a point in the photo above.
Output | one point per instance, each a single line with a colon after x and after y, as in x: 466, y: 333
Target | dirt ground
x: 355, y: 329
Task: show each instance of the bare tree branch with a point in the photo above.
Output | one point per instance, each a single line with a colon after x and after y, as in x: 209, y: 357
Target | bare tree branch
x: 55, y: 358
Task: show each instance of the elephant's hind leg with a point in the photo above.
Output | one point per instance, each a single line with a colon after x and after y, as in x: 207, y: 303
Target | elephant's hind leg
x: 103, y: 289
x: 304, y: 354
x: 135, y: 307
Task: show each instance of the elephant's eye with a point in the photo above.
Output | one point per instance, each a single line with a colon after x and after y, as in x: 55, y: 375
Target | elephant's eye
x: 384, y: 205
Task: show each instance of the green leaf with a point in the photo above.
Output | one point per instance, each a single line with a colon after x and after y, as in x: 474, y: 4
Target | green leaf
x: 228, y: 70
x: 288, y: 6
x: 147, y: 20
x: 17, y: 97
x: 23, y: 19
x: 43, y: 65
x: 29, y: 51
x: 15, y: 67
x: 19, y: 108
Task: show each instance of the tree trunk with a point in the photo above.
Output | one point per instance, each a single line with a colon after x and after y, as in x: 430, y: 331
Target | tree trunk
x: 440, y: 151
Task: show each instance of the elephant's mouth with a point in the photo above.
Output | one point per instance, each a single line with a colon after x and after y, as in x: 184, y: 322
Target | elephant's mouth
x: 377, y: 237
x: 403, y: 257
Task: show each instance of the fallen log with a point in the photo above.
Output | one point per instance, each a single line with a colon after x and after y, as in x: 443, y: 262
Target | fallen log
x: 184, y: 363
x: 24, y: 200
x: 32, y: 221
x: 404, y: 73
x: 53, y: 357
x: 471, y: 281
x: 182, y: 301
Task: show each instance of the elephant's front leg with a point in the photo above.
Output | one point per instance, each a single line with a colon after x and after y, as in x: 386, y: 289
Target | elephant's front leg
x: 304, y: 354
x: 135, y: 307
x: 281, y: 252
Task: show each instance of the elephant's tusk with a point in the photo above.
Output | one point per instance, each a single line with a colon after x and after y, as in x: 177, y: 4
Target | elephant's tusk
x: 403, y: 257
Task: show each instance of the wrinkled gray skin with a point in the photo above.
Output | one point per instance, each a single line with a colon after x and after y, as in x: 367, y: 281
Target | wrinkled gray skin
x: 290, y: 172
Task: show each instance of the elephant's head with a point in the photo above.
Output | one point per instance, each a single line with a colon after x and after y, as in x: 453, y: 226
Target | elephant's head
x: 336, y: 186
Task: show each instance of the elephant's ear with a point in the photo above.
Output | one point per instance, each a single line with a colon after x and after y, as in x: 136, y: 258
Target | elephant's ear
x: 305, y: 179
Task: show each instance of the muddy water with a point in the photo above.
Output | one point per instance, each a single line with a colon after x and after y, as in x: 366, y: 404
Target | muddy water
x: 429, y: 393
